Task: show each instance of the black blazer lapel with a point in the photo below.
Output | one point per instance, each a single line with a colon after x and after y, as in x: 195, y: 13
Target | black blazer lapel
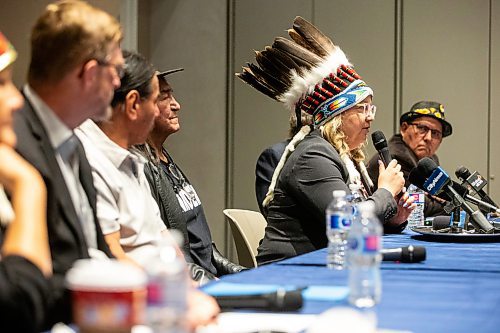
x: 47, y: 165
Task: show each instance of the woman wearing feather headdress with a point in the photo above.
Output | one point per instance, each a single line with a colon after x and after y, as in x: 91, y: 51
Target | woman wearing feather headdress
x: 26, y: 263
x: 312, y: 74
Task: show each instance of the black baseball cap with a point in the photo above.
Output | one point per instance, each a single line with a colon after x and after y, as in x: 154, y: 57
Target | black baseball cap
x: 162, y: 75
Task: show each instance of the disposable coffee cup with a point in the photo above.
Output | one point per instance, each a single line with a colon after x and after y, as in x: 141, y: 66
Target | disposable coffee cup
x: 108, y: 296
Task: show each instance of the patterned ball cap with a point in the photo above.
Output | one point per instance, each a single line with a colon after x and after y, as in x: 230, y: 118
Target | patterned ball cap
x: 7, y: 52
x: 427, y: 109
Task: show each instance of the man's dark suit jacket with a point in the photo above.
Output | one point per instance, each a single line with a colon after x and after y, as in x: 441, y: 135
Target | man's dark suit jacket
x: 264, y: 170
x: 67, y: 241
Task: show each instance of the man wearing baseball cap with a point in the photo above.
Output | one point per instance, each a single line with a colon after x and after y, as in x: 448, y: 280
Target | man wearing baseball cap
x: 180, y: 205
x: 422, y: 130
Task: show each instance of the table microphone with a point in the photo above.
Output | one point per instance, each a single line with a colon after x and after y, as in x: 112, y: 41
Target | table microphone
x: 441, y: 222
x: 278, y: 301
x: 407, y: 254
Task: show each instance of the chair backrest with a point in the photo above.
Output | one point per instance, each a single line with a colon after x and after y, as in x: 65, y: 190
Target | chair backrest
x: 247, y: 227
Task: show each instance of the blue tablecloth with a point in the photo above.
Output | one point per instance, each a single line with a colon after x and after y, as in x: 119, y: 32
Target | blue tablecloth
x: 457, y: 289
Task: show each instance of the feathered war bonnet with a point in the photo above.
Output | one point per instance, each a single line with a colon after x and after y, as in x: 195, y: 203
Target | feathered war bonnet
x: 307, y: 73
x: 7, y: 53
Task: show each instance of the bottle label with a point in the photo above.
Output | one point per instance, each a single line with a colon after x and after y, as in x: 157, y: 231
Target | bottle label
x: 418, y: 197
x: 339, y: 222
x: 365, y: 244
x: 461, y: 220
x: 417, y: 216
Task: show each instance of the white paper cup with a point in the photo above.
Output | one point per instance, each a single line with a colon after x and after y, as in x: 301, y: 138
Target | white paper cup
x: 107, y: 295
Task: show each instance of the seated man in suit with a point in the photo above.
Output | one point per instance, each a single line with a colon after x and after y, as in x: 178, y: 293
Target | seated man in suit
x: 422, y: 130
x: 75, y: 66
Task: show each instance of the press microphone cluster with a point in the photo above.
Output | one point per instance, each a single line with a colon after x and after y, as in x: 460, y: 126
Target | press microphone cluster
x: 407, y: 254
x: 279, y: 301
x: 476, y: 182
x: 416, y: 178
x: 433, y: 179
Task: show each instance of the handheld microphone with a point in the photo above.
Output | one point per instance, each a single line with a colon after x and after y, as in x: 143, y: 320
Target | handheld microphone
x: 279, y: 301
x: 476, y: 183
x: 380, y: 144
x: 407, y: 254
x: 438, y: 181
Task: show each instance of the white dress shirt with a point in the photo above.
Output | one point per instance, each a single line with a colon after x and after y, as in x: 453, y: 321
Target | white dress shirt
x: 64, y: 142
x: 124, y: 201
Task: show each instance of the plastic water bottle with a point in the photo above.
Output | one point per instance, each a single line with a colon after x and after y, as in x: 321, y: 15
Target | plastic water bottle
x: 364, y: 242
x: 416, y: 218
x: 338, y: 221
x: 168, y: 284
x: 355, y: 197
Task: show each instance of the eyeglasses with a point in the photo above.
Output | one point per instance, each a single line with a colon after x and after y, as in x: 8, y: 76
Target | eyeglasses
x: 368, y: 109
x: 423, y: 130
x: 119, y: 69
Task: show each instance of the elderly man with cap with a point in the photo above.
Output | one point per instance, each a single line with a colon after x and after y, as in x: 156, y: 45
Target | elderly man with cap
x: 180, y: 205
x: 422, y: 130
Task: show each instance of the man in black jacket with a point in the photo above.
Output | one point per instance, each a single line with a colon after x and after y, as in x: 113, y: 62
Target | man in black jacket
x: 75, y: 66
x: 422, y: 130
x: 180, y: 206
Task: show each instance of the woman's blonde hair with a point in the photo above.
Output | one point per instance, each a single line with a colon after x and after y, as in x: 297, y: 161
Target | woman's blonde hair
x: 332, y: 133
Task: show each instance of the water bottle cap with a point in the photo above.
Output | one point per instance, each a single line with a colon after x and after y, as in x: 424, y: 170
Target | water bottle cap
x: 366, y: 207
x: 339, y: 193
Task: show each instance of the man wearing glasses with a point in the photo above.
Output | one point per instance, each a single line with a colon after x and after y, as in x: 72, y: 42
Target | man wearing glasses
x: 76, y: 63
x: 421, y: 131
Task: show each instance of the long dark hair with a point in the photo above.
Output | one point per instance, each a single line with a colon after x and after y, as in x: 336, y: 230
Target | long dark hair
x: 138, y: 75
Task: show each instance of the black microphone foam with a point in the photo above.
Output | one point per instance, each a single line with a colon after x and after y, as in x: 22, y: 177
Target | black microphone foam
x: 380, y: 143
x: 476, y: 183
x: 379, y: 140
x: 462, y: 173
x: 279, y: 301
x: 416, y: 178
x: 426, y: 166
x: 407, y: 254
x: 441, y: 222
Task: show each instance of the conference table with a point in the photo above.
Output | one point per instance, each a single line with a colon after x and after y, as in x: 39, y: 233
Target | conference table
x: 456, y: 289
